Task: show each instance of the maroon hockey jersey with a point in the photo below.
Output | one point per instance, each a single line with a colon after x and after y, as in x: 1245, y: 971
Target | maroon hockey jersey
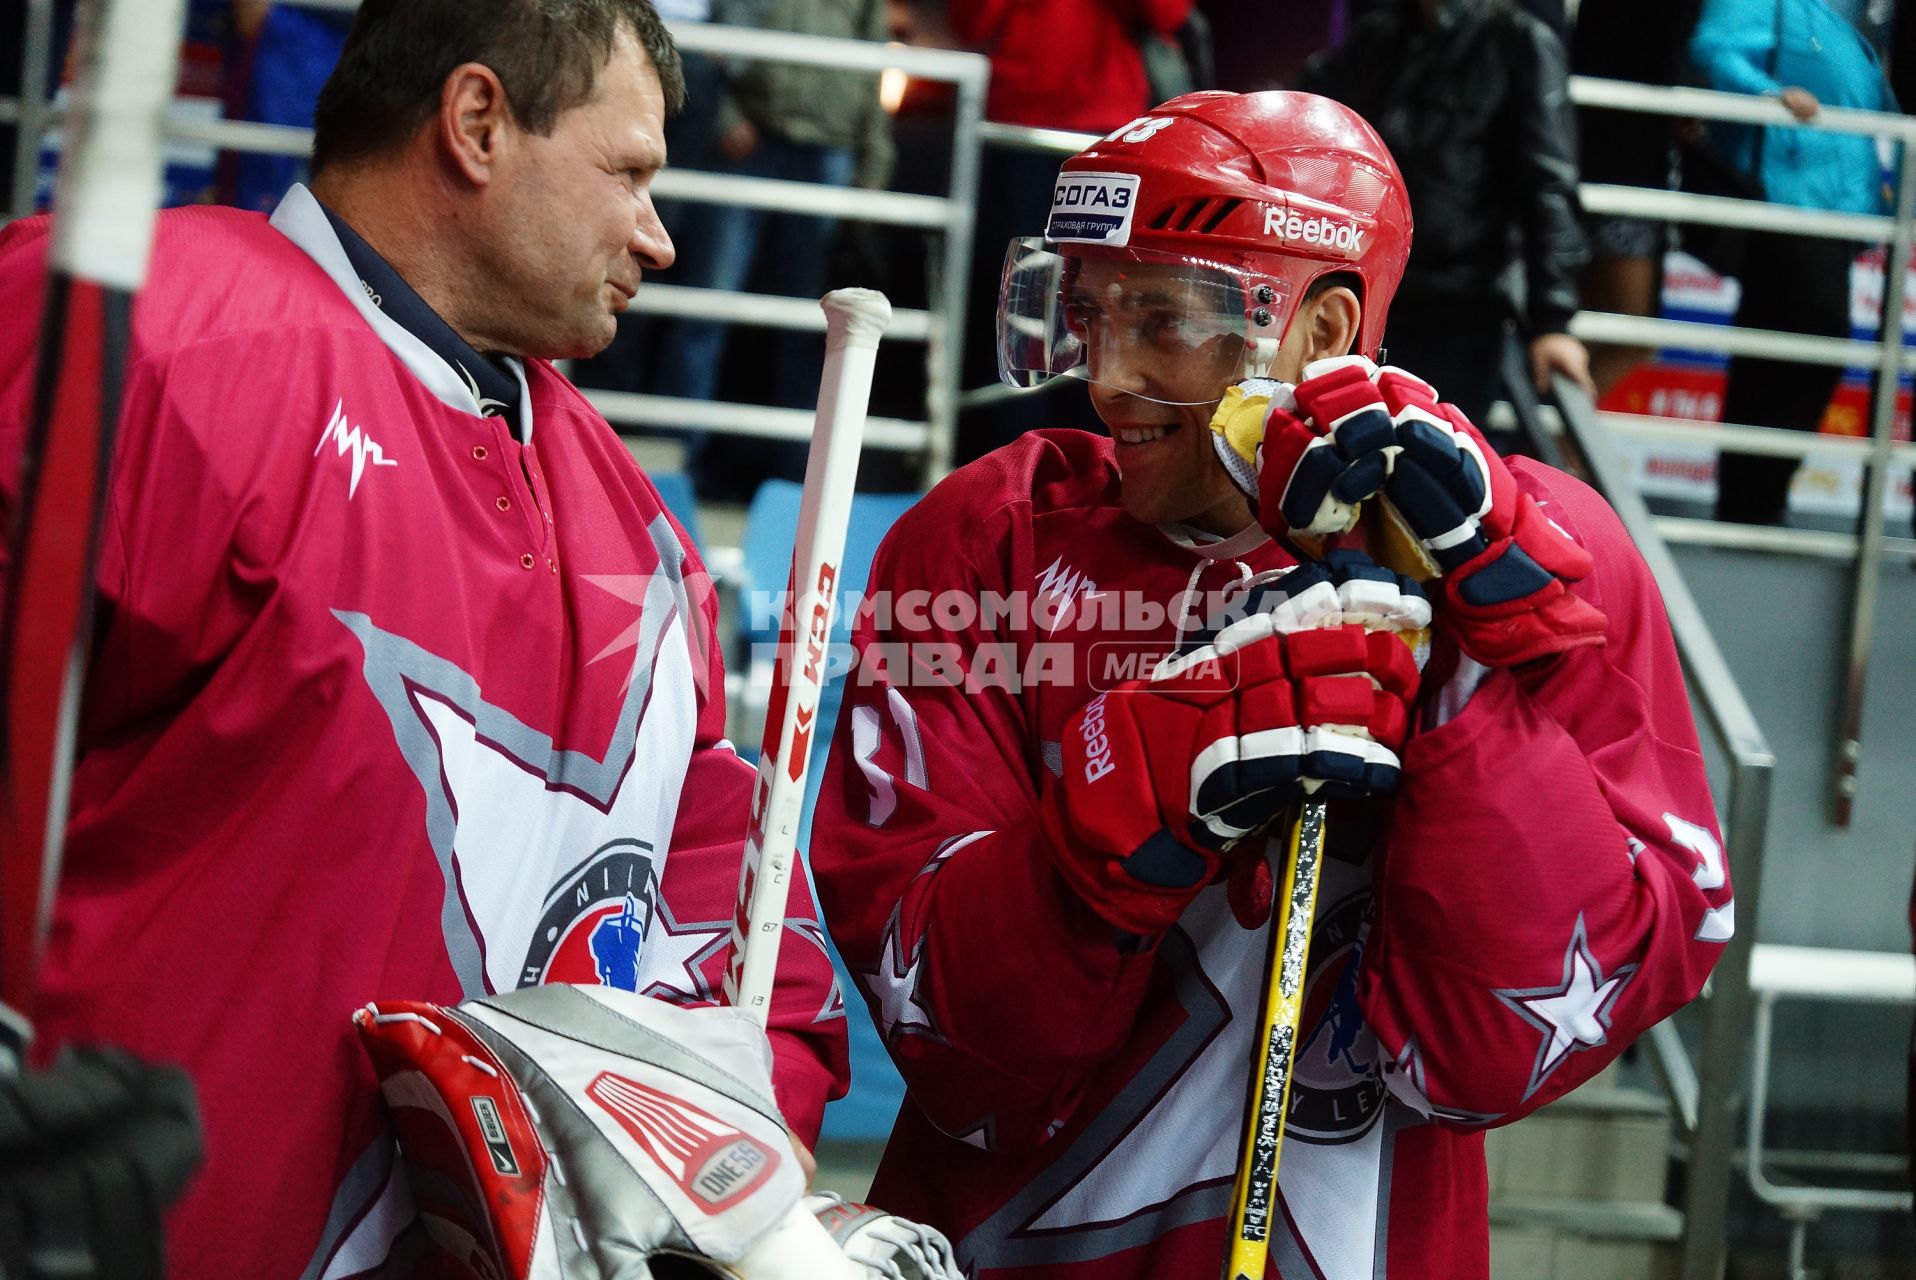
x: 384, y: 704
x: 1547, y: 884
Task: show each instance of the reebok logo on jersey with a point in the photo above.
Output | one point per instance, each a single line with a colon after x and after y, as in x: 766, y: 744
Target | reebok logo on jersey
x: 1288, y: 224
x: 348, y: 439
x: 1097, y: 745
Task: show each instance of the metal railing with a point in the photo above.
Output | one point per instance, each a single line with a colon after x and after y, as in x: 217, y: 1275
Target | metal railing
x: 1705, y: 1095
x: 949, y: 217
x: 1886, y: 356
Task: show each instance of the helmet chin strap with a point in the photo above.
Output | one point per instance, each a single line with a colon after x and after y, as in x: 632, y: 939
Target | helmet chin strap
x: 1259, y: 355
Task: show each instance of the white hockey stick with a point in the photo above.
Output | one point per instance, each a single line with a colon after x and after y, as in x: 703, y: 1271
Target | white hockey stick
x: 855, y: 319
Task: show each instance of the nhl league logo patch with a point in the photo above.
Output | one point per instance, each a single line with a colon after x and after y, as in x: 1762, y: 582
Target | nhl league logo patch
x: 1092, y: 208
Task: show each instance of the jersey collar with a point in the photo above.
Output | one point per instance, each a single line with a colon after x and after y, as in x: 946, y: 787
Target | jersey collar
x: 1208, y: 546
x: 301, y: 219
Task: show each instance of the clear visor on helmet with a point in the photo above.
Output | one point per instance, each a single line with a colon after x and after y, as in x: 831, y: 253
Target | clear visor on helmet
x: 1161, y: 326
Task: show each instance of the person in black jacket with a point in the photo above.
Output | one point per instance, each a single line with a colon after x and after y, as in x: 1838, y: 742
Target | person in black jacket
x: 1471, y: 97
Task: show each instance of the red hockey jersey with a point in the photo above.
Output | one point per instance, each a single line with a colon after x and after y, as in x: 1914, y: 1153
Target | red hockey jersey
x: 384, y: 704
x: 1547, y: 884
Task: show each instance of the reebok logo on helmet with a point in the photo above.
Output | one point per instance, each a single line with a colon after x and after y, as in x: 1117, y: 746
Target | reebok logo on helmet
x: 1289, y: 224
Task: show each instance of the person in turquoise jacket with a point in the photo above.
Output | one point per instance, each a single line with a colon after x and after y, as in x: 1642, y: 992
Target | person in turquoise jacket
x: 1809, y: 56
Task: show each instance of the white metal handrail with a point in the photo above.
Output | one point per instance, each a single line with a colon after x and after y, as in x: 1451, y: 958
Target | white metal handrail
x: 781, y: 195
x: 949, y: 216
x: 1732, y: 108
x: 1742, y: 439
x: 1732, y: 211
x: 1816, y: 544
x: 801, y: 314
x: 1815, y: 973
x: 1700, y: 335
x: 744, y: 419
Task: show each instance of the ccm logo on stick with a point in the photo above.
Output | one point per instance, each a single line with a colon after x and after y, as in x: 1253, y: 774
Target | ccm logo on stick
x: 817, y: 632
x: 1288, y: 224
x: 1097, y: 746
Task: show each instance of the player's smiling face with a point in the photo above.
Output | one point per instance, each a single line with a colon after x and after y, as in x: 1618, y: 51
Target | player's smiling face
x: 1155, y: 384
x: 578, y: 227
x: 1156, y: 379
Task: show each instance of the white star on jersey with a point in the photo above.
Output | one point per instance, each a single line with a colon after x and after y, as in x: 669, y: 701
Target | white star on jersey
x: 1574, y: 1014
x: 894, y: 983
x: 677, y: 955
x: 514, y: 826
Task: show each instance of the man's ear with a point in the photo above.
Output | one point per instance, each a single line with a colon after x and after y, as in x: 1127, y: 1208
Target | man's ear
x: 1333, y: 324
x: 473, y: 116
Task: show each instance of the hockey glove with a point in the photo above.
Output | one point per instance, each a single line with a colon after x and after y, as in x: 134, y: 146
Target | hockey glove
x: 1345, y: 588
x: 884, y: 1245
x: 1163, y: 778
x: 584, y: 1131
x: 92, y: 1150
x: 1351, y: 430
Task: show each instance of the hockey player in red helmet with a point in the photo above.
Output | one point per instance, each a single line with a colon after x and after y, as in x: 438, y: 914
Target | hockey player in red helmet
x: 1044, y: 849
x: 1237, y: 225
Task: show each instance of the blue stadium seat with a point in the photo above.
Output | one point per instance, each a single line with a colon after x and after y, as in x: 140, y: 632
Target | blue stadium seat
x: 675, y: 490
x: 771, y: 521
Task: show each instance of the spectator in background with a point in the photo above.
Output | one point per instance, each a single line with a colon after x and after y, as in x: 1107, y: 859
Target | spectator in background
x: 286, y: 51
x: 768, y: 120
x: 13, y: 23
x: 1645, y: 41
x: 1803, y: 53
x: 1055, y: 64
x: 1471, y: 98
x: 1253, y: 53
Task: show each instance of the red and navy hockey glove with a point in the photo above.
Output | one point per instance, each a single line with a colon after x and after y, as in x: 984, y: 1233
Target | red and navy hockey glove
x: 1350, y: 431
x: 1163, y: 778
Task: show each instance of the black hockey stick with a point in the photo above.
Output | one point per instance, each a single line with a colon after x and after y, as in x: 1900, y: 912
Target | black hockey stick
x: 127, y: 58
x: 93, y: 1148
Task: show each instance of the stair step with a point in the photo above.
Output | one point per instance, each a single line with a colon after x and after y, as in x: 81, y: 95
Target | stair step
x: 1646, y: 1220
x: 1620, y: 1100
x: 1591, y: 1154
x: 1536, y: 1253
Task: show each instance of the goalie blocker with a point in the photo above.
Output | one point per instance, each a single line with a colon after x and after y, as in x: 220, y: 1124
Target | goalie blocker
x: 573, y: 1133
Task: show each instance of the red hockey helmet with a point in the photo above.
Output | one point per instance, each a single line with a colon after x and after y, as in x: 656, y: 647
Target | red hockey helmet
x: 1198, y: 228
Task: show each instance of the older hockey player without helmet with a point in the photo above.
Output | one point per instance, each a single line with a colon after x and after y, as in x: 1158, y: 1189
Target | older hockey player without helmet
x: 1022, y: 831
